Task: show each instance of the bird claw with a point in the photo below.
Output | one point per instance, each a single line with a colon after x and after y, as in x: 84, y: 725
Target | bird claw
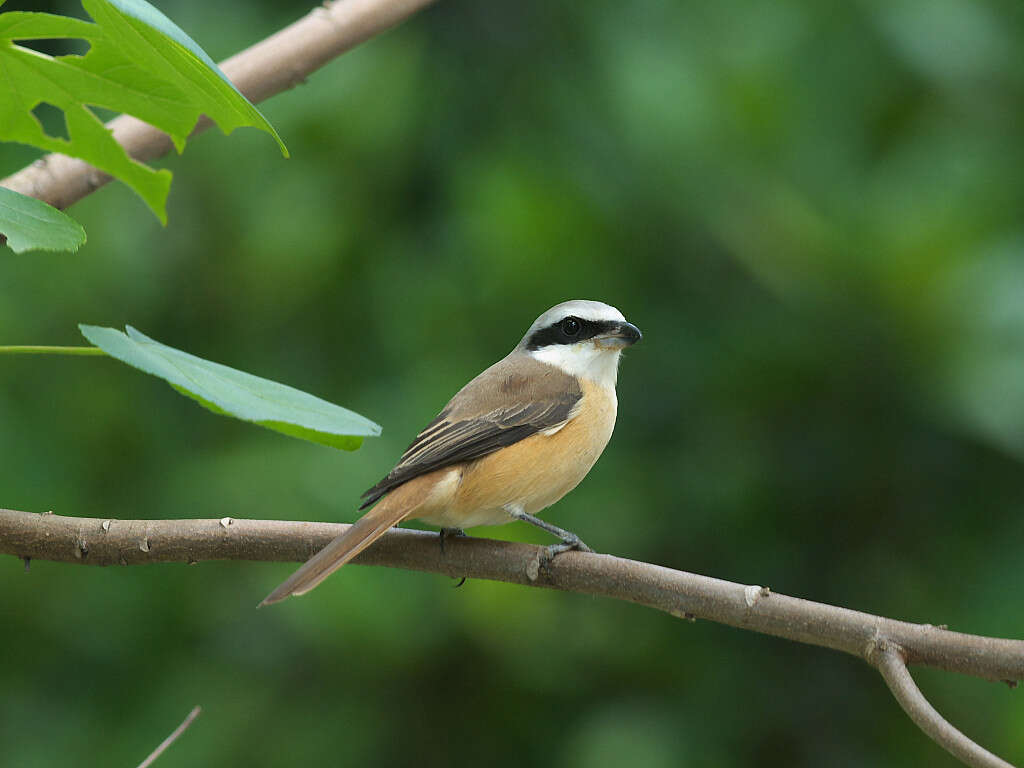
x: 545, y: 555
x: 570, y: 542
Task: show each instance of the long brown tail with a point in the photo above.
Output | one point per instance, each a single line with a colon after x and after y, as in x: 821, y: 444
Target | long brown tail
x: 362, y: 534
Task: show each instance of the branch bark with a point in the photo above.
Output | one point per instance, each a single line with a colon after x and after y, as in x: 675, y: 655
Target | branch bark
x: 881, y: 641
x: 269, y: 67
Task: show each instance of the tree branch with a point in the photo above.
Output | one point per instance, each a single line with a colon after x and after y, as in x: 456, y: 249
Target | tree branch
x: 97, y: 541
x: 890, y: 662
x: 275, y: 64
x: 162, y: 747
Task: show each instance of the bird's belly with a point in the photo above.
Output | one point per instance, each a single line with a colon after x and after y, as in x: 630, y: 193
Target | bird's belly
x: 531, y: 474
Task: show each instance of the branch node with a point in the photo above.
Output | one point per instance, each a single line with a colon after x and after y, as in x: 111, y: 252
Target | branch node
x: 144, y: 544
x: 225, y: 522
x: 533, y: 566
x: 106, y: 525
x: 878, y: 646
x: 752, y: 593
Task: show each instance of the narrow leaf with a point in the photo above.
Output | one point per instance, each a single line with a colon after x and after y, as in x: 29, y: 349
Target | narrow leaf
x: 30, y: 224
x: 231, y: 392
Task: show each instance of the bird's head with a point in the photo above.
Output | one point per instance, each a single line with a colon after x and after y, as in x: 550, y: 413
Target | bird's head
x: 582, y: 338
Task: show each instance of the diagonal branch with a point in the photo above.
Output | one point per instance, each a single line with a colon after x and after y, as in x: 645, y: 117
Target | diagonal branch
x: 892, y: 665
x: 269, y: 67
x: 97, y: 541
x: 163, y: 745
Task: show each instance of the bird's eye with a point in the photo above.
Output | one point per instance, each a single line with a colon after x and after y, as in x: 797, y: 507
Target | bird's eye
x: 571, y: 326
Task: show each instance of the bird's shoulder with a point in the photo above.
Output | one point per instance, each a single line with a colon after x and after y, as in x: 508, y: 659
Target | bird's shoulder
x: 514, y: 384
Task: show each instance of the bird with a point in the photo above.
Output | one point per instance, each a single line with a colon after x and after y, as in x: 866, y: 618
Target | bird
x: 509, y: 444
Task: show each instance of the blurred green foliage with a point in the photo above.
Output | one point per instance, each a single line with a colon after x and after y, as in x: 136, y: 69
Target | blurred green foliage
x: 812, y: 210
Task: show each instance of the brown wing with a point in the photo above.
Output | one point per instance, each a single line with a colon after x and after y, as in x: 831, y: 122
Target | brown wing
x: 504, y: 404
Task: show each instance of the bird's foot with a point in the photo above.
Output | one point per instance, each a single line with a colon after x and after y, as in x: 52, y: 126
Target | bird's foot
x: 572, y: 542
x: 546, y: 555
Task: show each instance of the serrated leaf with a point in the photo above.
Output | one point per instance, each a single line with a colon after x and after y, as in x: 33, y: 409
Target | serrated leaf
x: 231, y: 392
x: 139, y: 62
x: 30, y: 224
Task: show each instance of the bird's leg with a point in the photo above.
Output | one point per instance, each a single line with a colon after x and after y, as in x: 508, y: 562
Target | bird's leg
x: 569, y: 539
x: 449, y: 533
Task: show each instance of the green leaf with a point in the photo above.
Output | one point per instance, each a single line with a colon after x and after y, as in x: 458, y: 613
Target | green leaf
x: 233, y: 393
x: 31, y: 224
x: 139, y: 62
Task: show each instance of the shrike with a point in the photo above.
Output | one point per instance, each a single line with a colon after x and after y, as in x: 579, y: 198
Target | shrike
x: 511, y: 443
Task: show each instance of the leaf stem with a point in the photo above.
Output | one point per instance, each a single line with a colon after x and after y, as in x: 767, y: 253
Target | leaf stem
x: 44, y: 350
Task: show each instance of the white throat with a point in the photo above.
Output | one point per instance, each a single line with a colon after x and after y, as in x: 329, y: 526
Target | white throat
x: 585, y: 360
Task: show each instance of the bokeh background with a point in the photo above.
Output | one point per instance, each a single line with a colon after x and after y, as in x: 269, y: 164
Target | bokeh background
x: 812, y: 209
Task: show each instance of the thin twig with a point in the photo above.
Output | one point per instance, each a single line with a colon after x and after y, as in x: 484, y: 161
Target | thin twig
x: 276, y: 64
x: 172, y: 738
x: 98, y: 541
x: 891, y: 664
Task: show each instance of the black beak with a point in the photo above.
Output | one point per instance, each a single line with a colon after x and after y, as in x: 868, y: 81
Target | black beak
x: 622, y: 335
x: 630, y: 333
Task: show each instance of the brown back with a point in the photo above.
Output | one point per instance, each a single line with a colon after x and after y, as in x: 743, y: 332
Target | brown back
x: 516, y: 397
